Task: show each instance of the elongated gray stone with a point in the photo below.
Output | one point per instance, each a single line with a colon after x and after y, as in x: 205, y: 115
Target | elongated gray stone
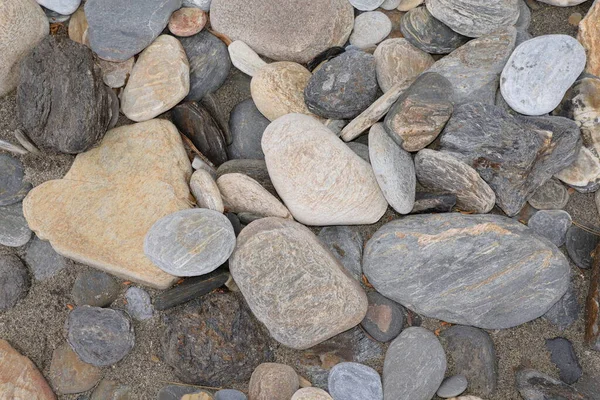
x: 14, y: 231
x: 494, y: 281
x: 552, y: 195
x: 565, y: 311
x: 14, y: 281
x: 564, y: 357
x: 190, y: 289
x: 552, y: 224
x: 247, y: 125
x: 427, y: 33
x: 346, y: 244
x: 43, y: 260
x: 452, y: 386
x: 354, y: 381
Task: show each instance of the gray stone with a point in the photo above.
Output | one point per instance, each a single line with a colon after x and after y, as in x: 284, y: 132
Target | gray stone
x: 370, y: 28
x: 247, y: 125
x: 62, y: 102
x: 552, y: 195
x: 201, y: 4
x: 54, y: 17
x: 443, y: 172
x: 112, y: 390
x: 414, y: 366
x: 346, y: 244
x: 94, y: 288
x: 209, y: 64
x: 581, y: 243
x: 589, y: 385
x: 119, y: 30
x: 273, y: 381
x: 14, y: 281
x: 366, y: 5
x: 474, y: 18
x: 191, y: 288
x: 452, y: 386
x: 138, y: 305
x: 255, y: 169
x: 565, y: 311
x: 190, y: 242
x: 564, y: 357
x: 427, y: 33
x: 494, y: 283
x: 524, y: 20
x: 12, y: 187
x: 384, y: 319
x: 361, y: 150
x: 474, y: 68
x: 14, y: 231
x: 527, y: 86
x: 205, y: 191
x: 64, y: 7
x: 176, y: 392
x: 343, y: 87
x: 552, y: 224
x: 43, y: 261
x: 354, y: 381
x: 100, y: 336
x: 230, y: 394
x: 534, y: 385
x: 433, y: 202
x: 471, y: 353
x: 394, y: 170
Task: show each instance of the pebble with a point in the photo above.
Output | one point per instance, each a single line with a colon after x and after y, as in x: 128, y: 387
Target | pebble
x: 361, y: 150
x: 452, y: 386
x: 19, y: 376
x: 64, y: 7
x: 414, y: 365
x: 138, y: 304
x: 14, y: 231
x: 205, y: 190
x: 581, y: 245
x: 116, y: 74
x: 397, y: 61
x: 198, y: 163
x: 230, y: 394
x: 247, y: 125
x: 43, y: 261
x: 433, y: 202
x: 112, y: 390
x: 346, y: 244
x: 584, y: 173
x: 564, y: 357
x: 311, y: 393
x: 204, y: 5
x: 94, y: 288
x: 588, y: 37
x: 119, y: 30
x: 354, y: 381
x: 12, y: 187
x: 527, y: 86
x: 407, y: 5
x: 100, y: 336
x: 394, y: 170
x: 190, y: 242
x: 563, y: 3
x: 534, y: 385
x: 272, y: 254
x: 175, y: 392
x: 78, y: 27
x: 524, y: 20
x: 271, y: 381
x: 442, y: 172
x: 503, y: 291
x: 390, y: 4
x: 552, y: 195
x: 187, y: 21
x: 425, y: 32
x: 244, y: 58
x: 54, y: 17
x: 551, y: 224
x: 24, y: 25
x: 384, y: 319
x: 14, y: 282
x: 320, y: 179
x: 565, y: 311
x: 68, y: 374
x: 370, y: 28
x: 191, y: 288
x: 366, y: 5
x: 255, y: 169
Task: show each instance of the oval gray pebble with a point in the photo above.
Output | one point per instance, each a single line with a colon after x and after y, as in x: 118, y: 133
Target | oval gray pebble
x: 139, y: 305
x: 354, y: 381
x: 552, y: 224
x: 452, y: 386
x: 230, y: 394
x: 14, y: 231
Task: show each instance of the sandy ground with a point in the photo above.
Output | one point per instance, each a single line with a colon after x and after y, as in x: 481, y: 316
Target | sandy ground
x: 36, y: 325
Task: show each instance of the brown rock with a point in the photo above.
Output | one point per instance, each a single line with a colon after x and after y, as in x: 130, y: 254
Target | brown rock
x: 187, y: 21
x: 78, y: 27
x: 397, y: 60
x: 68, y: 374
x: 272, y: 381
x: 589, y: 36
x: 592, y: 309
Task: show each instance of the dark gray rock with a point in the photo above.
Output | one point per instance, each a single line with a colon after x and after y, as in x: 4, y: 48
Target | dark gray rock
x: 346, y: 244
x: 209, y: 64
x: 414, y: 365
x: 100, y: 336
x: 230, y: 394
x: 235, y: 222
x: 494, y: 281
x: 246, y: 125
x: 255, y: 169
x: 12, y: 187
x: 14, y: 281
x: 354, y: 381
x: 362, y: 150
x: 581, y: 244
x: 219, y: 110
x: 471, y: 353
x: 552, y: 224
x: 220, y: 322
x: 62, y: 102
x: 452, y: 386
x: 94, y: 288
x: 119, y: 30
x: 534, y: 385
x: 190, y: 289
x: 14, y: 231
x: 422, y: 30
x: 138, y: 305
x: 343, y: 87
x: 565, y: 311
x: 384, y: 319
x: 176, y: 392
x: 552, y: 195
x: 564, y: 357
x: 433, y: 202
x: 43, y: 261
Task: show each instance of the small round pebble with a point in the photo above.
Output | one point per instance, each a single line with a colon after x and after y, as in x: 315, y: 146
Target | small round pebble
x: 552, y: 224
x: 94, y: 288
x: 139, y: 305
x: 370, y: 28
x: 14, y: 281
x: 43, y: 261
x: 273, y: 381
x: 354, y: 381
x: 187, y: 21
x: 452, y: 386
x: 230, y: 394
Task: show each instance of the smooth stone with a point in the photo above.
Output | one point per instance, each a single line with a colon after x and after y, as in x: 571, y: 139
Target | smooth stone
x: 474, y: 68
x: 117, y: 191
x: 244, y: 58
x: 94, y: 288
x: 116, y: 74
x: 472, y: 354
x: 525, y: 83
x: 589, y: 385
x: 278, y: 89
x: 497, y: 256
x: 295, y: 30
x: 191, y: 288
x: 452, y: 386
x: 199, y: 163
x: 366, y: 5
x: 370, y: 28
x: 414, y: 366
x: 14, y: 231
x: 581, y: 245
x: 119, y: 30
x: 442, y: 172
x: 43, y: 261
x: 205, y: 190
x: 190, y: 242
x: 68, y: 374
x: 354, y: 381
x: 433, y: 202
x: 247, y: 125
x: 563, y: 3
x: 421, y: 112
x: 138, y: 305
x: 552, y: 195
x: 311, y: 393
x: 346, y: 244
x: 209, y: 63
x: 551, y: 224
x: 78, y: 27
x: 271, y: 255
x: 64, y: 7
x: 565, y: 311
x: 62, y: 102
x: 12, y: 187
x: 394, y: 170
x: 320, y: 179
x: 588, y: 37
x: 524, y: 20
x: 204, y: 5
x: 343, y: 87
x: 230, y: 394
x: 271, y: 381
x: 564, y: 357
x: 14, y: 282
x: 384, y: 319
x: 187, y: 21
x: 390, y: 4
x: 100, y: 336
x: 534, y: 385
x: 220, y: 322
x: 397, y: 61
x: 24, y: 26
x: 584, y: 173
x: 175, y: 392
x: 255, y: 169
x: 112, y: 390
x: 20, y: 378
x: 361, y: 150
x: 407, y: 5
x: 475, y: 19
x: 425, y: 32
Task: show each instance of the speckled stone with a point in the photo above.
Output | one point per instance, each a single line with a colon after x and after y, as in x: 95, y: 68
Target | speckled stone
x: 370, y: 28
x: 139, y: 304
x: 552, y: 224
x: 452, y: 386
x: 271, y: 381
x: 43, y: 261
x: 354, y: 381
x: 14, y: 282
x: 346, y: 244
x: 94, y: 288
x: 552, y: 195
x: 187, y: 21
x: 68, y: 374
x: 564, y: 357
x: 580, y: 245
x: 14, y: 231
x: 422, y: 30
x: 384, y: 319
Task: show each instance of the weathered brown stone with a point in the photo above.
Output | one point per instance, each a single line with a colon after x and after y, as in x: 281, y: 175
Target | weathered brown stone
x: 589, y: 37
x: 68, y: 374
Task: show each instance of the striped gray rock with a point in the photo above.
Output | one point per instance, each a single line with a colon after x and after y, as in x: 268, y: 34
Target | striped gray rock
x: 552, y: 195
x: 346, y: 244
x: 552, y: 224
x: 495, y: 281
x: 534, y: 385
x: 14, y: 281
x: 354, y: 381
x: 14, y: 231
x: 247, y: 125
x: 422, y: 30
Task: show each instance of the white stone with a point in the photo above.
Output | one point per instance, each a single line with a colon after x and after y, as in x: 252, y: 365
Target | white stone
x: 390, y: 4
x: 244, y: 58
x: 583, y: 172
x: 370, y: 28
x: 205, y: 190
x: 64, y: 7
x: 366, y: 5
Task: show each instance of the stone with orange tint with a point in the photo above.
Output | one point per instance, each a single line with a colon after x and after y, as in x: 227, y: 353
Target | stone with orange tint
x: 384, y: 318
x: 187, y: 21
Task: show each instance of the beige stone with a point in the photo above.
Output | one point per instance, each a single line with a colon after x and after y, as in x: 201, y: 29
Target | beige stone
x: 159, y: 80
x: 407, y: 5
x: 244, y: 58
x: 585, y: 170
x: 187, y: 21
x: 19, y: 377
x: 205, y: 190
x: 272, y: 381
x: 396, y: 60
x: 68, y: 374
x: 278, y: 89
x: 100, y: 212
x: 589, y: 37
x: 197, y: 396
x: 311, y: 393
x: 78, y: 27
x: 115, y: 74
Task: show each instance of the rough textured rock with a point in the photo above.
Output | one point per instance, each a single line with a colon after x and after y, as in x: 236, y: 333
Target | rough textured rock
x: 414, y: 366
x: 43, y: 261
x: 427, y: 33
x: 581, y: 244
x: 527, y: 86
x: 384, y: 319
x: 68, y: 374
x: 205, y: 190
x: 565, y: 311
x: 222, y: 323
x: 14, y: 281
x: 552, y: 195
x: 494, y: 282
x: 14, y: 231
x: 94, y: 288
x: 187, y: 21
x: 320, y: 179
x: 119, y: 30
x: 138, y: 174
x: 452, y: 386
x: 139, y: 304
x: 315, y: 298
x: 271, y: 381
x: 294, y: 30
x: 247, y: 125
x: 369, y: 29
x: 346, y: 244
x: 116, y: 74
x: 354, y: 381
x: 255, y: 169
x: 564, y: 357
x: 62, y: 102
x: 534, y: 385
x: 433, y: 202
x: 244, y: 58
x: 588, y: 37
x: 311, y: 393
x: 552, y: 224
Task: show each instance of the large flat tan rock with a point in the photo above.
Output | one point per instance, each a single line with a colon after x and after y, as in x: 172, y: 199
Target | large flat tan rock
x: 100, y: 212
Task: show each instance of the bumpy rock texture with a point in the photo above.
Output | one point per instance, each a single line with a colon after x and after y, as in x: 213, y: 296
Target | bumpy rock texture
x: 422, y: 30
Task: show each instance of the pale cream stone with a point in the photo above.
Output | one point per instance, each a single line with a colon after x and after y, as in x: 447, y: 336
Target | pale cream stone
x: 311, y: 393
x: 584, y: 170
x: 589, y: 37
x: 244, y: 58
x: 205, y: 190
x: 78, y: 27
x: 407, y: 5
x: 396, y: 60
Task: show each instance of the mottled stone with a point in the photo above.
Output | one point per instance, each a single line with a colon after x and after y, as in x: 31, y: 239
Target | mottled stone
x: 14, y: 231
x: 320, y: 179
x: 138, y: 304
x: 271, y: 381
x: 425, y: 32
x: 588, y: 37
x: 354, y: 381
x: 94, y: 288
x: 565, y: 311
x: 68, y: 374
x: 581, y: 244
x: 43, y: 261
x: 433, y: 202
x: 255, y: 169
x: 534, y: 385
x: 552, y: 195
x: 14, y: 282
x: 311, y: 393
x: 384, y: 319
x: 187, y: 21
x: 346, y: 244
x: 552, y: 224
x: 12, y: 187
x: 370, y: 28
x: 205, y: 190
x: 452, y: 386
x: 564, y: 357
x: 116, y: 74
x: 112, y: 390
x: 247, y: 125
x: 230, y: 394
x: 78, y: 27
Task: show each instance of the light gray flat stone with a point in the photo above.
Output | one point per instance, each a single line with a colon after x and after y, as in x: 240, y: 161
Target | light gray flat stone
x: 370, y: 28
x: 139, y: 304
x: 354, y: 381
